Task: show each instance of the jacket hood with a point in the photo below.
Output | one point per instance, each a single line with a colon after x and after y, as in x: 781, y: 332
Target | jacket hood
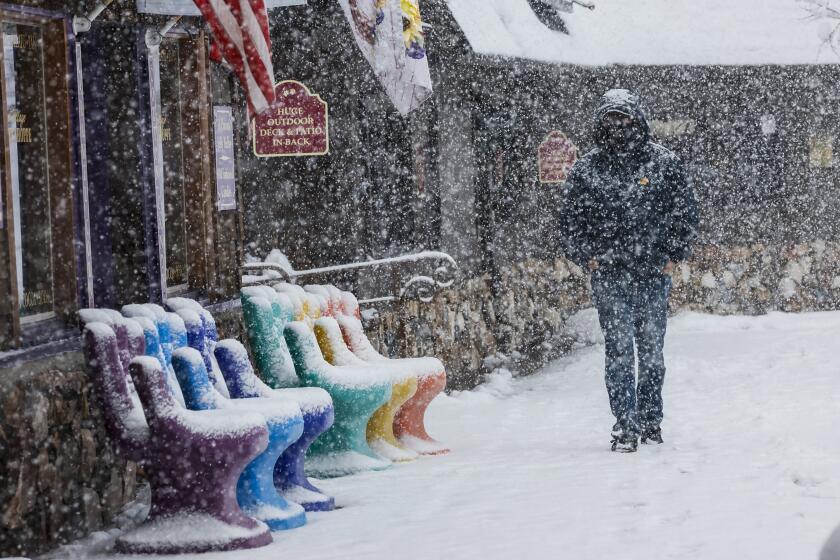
x: 620, y: 101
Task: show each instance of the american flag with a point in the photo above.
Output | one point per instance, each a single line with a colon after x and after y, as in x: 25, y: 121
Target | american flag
x: 240, y: 36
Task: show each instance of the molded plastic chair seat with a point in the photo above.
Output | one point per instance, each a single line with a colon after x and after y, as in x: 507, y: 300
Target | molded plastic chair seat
x: 237, y: 379
x: 409, y: 421
x: 380, y: 431
x: 356, y: 392
x: 192, y: 460
x: 255, y: 490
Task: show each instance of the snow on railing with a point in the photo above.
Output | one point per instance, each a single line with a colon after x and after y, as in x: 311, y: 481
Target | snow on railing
x: 420, y: 287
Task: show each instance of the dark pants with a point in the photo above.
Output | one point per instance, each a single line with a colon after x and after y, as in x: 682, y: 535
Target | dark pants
x: 633, y: 309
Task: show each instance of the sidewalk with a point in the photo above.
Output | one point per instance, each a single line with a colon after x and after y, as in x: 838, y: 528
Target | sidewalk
x: 749, y: 469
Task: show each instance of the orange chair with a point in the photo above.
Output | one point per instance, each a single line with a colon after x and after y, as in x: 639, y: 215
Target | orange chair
x: 409, y: 422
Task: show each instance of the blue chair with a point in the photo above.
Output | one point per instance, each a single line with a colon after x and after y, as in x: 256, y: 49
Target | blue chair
x: 241, y: 382
x: 255, y: 490
x: 289, y: 473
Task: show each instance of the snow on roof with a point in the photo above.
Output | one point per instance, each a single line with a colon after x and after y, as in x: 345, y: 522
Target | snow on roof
x: 650, y: 32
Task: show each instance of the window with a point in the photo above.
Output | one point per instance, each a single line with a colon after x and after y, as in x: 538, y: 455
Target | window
x: 37, y: 257
x: 168, y: 140
x: 23, y: 72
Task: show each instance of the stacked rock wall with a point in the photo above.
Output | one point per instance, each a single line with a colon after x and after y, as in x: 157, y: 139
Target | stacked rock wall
x: 60, y: 478
x: 524, y: 324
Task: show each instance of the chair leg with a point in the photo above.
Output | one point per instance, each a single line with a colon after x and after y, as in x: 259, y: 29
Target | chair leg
x: 343, y: 449
x: 409, y: 423
x: 380, y: 428
x: 255, y: 490
x: 289, y: 473
x: 194, y: 509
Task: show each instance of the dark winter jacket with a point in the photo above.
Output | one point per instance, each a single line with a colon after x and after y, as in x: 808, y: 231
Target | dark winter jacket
x: 633, y: 211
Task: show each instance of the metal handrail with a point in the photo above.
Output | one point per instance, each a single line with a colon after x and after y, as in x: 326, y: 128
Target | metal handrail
x: 422, y: 287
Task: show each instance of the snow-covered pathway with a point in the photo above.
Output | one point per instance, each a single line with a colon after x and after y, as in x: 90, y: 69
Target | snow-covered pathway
x: 750, y: 468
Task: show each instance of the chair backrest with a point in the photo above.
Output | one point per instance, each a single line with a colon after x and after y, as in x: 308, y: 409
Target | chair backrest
x: 351, y: 305
x: 356, y: 339
x: 238, y: 372
x: 335, y: 299
x: 177, y: 331
x: 306, y: 355
x: 296, y: 296
x: 157, y: 315
x: 178, y: 303
x: 125, y: 421
x: 199, y: 393
x: 323, y: 296
x: 150, y: 379
x: 262, y: 321
x: 331, y: 342
x: 197, y: 338
x: 155, y: 350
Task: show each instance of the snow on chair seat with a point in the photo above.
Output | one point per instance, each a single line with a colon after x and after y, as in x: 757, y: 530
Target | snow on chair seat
x: 195, y: 460
x: 180, y: 514
x: 409, y: 422
x: 356, y: 394
x: 237, y: 379
x: 380, y: 431
x: 255, y: 490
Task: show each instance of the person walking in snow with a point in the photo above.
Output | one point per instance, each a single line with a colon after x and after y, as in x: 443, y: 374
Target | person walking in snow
x: 629, y: 215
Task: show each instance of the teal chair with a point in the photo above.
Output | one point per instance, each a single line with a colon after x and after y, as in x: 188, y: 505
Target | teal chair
x: 287, y: 354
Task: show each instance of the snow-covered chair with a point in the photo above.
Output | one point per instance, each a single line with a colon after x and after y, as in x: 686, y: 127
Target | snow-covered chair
x: 237, y: 381
x: 196, y: 459
x: 380, y: 431
x: 357, y: 392
x: 193, y: 509
x: 289, y: 472
x: 255, y: 490
x: 333, y: 454
x: 409, y: 421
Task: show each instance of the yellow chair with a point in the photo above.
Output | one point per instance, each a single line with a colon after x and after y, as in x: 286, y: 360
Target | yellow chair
x: 380, y: 427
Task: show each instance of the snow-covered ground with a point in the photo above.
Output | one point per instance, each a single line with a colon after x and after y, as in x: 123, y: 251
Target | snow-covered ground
x: 750, y: 468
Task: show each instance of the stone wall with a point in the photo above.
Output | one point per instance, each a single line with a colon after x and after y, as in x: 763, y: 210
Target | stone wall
x: 472, y: 331
x: 524, y: 325
x: 755, y: 279
x: 60, y: 478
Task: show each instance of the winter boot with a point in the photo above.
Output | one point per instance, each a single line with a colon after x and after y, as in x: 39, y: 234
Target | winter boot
x: 652, y: 435
x: 624, y: 443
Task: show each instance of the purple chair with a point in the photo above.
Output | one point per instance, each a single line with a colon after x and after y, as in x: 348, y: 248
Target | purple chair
x: 192, y: 459
x: 236, y: 378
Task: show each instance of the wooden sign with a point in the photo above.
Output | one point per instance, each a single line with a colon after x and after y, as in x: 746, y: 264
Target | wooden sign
x: 555, y: 157
x: 296, y: 125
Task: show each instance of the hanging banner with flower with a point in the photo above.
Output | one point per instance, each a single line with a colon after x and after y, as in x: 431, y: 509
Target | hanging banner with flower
x: 390, y: 36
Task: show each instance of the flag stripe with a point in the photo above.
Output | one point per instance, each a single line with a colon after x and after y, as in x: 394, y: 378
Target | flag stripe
x: 241, y: 37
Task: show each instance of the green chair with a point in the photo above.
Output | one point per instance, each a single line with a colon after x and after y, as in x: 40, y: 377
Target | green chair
x: 287, y: 355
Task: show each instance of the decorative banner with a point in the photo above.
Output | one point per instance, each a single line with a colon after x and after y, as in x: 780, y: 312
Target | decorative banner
x: 390, y: 35
x: 225, y: 162
x: 296, y: 125
x: 555, y: 157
